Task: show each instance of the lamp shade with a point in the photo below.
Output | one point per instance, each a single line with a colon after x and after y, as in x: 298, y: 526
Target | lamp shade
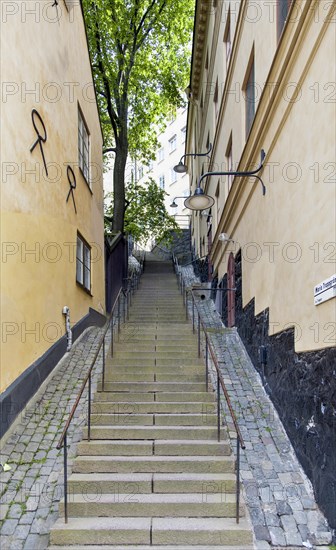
x: 180, y: 168
x: 173, y: 205
x: 199, y: 200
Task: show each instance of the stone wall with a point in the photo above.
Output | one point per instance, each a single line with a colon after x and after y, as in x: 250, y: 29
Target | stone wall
x: 302, y: 386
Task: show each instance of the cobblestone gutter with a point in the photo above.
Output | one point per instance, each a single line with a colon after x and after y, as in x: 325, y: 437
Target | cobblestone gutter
x: 278, y: 494
x: 32, y: 488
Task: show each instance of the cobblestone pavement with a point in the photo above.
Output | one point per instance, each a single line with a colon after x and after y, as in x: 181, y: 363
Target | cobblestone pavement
x: 278, y: 494
x: 32, y: 489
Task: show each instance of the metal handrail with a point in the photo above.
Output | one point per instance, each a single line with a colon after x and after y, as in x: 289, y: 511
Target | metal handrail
x: 220, y: 384
x: 87, y: 380
x: 220, y: 380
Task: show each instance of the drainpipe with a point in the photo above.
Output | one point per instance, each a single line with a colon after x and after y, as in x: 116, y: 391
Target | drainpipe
x: 66, y: 312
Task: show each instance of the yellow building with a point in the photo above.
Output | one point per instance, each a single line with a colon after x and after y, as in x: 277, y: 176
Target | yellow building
x: 263, y: 78
x: 52, y: 247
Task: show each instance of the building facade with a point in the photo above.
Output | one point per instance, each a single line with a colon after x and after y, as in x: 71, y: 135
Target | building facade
x: 171, y: 149
x: 52, y: 247
x: 263, y: 78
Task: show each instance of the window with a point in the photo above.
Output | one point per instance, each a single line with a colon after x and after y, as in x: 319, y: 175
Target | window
x: 83, y: 147
x: 227, y: 38
x: 229, y: 162
x: 249, y: 97
x: 83, y: 263
x: 216, y: 100
x: 283, y: 7
x: 172, y: 144
x: 184, y: 132
x: 150, y: 166
x: 172, y: 115
x: 161, y: 154
x: 173, y: 175
x: 162, y: 182
x: 140, y: 172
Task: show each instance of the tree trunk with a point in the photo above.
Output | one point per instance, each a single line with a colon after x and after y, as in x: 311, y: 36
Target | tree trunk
x: 119, y: 185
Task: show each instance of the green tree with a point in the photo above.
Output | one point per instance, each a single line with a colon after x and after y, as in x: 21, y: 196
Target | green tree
x: 146, y: 215
x: 140, y: 51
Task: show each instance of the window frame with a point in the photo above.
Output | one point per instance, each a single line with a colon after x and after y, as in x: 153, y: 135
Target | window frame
x: 161, y: 154
x: 227, y: 38
x: 249, y: 90
x: 282, y: 10
x: 84, y: 167
x: 172, y: 144
x: 162, y: 182
x: 85, y: 263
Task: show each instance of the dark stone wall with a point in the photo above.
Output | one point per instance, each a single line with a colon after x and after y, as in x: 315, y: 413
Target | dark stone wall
x: 302, y: 387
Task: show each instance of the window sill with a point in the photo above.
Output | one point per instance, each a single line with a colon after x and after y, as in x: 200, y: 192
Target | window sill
x: 86, y: 181
x: 84, y: 289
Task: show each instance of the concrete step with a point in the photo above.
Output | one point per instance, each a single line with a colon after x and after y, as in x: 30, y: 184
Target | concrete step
x: 107, y: 407
x: 94, y: 485
x: 145, y: 387
x: 152, y: 432
x: 179, y: 369
x: 152, y: 547
x: 156, y: 531
x: 112, y: 375
x: 153, y: 464
x: 157, y: 419
x: 136, y: 504
x: 208, y: 531
x: 127, y: 353
x: 109, y: 394
x: 170, y: 447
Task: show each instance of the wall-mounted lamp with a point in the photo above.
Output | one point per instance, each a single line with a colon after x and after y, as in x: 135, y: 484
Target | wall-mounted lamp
x: 200, y: 201
x: 224, y: 237
x: 173, y: 204
x: 182, y: 168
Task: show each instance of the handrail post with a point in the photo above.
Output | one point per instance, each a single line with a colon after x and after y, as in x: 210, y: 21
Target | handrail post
x: 119, y: 316
x: 124, y: 308
x: 237, y: 480
x: 183, y: 292
x: 186, y: 303
x: 65, y: 472
x: 193, y: 312
x: 218, y: 408
x: 199, y: 335
x: 206, y: 364
x: 103, y: 377
x: 112, y: 333
x: 181, y: 283
x: 89, y: 404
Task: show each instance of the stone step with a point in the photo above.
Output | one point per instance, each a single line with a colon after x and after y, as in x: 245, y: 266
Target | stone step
x: 156, y: 387
x: 162, y: 448
x: 109, y: 394
x: 136, y: 504
x: 91, y: 485
x: 153, y: 464
x: 188, y: 370
x: 151, y: 547
x: 152, y: 432
x: 174, y: 353
x: 112, y: 375
x: 120, y: 362
x: 151, y: 346
x: 156, y: 531
x: 106, y: 407
x: 155, y: 419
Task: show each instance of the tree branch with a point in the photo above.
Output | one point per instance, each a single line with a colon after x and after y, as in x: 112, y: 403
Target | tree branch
x: 109, y: 150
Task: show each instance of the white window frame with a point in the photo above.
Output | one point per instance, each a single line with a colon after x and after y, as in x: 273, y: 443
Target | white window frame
x: 173, y: 176
x: 161, y: 154
x: 83, y: 263
x: 83, y: 147
x: 173, y: 143
x: 162, y: 182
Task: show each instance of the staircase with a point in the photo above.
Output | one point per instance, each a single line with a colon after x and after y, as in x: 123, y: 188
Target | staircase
x: 153, y: 475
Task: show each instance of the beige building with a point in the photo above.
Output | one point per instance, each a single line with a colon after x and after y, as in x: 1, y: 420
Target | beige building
x: 51, y: 194
x: 263, y: 78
